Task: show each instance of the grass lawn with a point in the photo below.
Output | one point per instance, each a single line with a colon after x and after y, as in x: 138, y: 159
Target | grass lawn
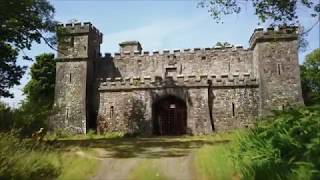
x: 214, y: 161
x: 79, y: 164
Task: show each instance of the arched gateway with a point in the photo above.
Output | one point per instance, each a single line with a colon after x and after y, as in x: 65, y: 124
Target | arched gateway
x: 170, y: 116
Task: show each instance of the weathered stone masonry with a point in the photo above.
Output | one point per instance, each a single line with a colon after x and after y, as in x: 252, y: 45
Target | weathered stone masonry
x: 193, y: 91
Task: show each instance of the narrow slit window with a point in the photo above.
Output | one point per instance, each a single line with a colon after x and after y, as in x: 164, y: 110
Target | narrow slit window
x: 67, y: 113
x: 70, y: 77
x: 229, y: 66
x: 233, y: 110
x: 279, y: 69
x: 72, y: 41
x: 111, y: 112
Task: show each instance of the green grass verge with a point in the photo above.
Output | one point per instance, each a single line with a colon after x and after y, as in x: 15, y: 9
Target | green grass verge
x: 89, y: 135
x: 214, y: 161
x: 80, y: 164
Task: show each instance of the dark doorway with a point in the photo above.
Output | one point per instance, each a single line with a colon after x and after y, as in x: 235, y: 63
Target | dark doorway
x: 170, y: 116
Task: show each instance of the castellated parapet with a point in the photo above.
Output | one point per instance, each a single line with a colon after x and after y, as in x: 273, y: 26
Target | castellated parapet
x: 172, y: 92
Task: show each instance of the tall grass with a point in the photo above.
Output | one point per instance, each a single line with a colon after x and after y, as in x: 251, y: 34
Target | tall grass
x: 23, y: 159
x: 27, y: 159
x: 60, y: 135
x: 285, y: 145
x: 215, y: 162
x: 75, y: 167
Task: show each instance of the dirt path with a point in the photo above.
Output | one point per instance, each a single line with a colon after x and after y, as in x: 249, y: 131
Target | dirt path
x: 172, y: 157
x: 116, y: 169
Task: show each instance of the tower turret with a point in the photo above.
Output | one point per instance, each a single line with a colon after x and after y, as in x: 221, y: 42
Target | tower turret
x: 78, y: 48
x: 275, y: 58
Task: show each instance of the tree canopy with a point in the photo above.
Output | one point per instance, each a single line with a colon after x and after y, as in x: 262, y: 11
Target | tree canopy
x: 310, y: 78
x: 37, y: 107
x: 40, y: 88
x: 22, y: 22
x: 278, y: 11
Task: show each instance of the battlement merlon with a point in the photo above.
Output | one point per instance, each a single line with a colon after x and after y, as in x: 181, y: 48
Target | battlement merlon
x: 78, y: 41
x: 79, y: 28
x: 283, y: 33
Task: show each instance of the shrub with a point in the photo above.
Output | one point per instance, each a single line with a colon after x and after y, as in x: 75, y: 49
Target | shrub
x: 285, y: 145
x: 24, y: 159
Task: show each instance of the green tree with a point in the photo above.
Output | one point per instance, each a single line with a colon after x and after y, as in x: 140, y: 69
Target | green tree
x: 6, y: 117
x: 310, y: 78
x: 40, y: 89
x: 278, y: 11
x: 22, y: 22
x: 35, y: 110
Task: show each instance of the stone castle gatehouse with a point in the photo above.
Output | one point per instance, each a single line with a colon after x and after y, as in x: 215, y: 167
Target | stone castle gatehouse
x: 190, y: 91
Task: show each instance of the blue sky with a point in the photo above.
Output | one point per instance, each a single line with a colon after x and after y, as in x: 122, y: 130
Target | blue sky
x: 161, y: 24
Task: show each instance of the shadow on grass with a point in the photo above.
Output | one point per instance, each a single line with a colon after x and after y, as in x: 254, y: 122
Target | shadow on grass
x: 152, y: 147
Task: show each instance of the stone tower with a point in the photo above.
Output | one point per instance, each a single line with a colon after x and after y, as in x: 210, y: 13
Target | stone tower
x: 275, y: 61
x: 78, y: 48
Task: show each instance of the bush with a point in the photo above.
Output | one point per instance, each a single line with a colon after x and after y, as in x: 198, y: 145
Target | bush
x: 285, y: 145
x: 24, y: 119
x: 24, y: 159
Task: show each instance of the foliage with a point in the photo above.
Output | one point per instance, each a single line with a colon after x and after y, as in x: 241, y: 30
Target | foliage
x: 40, y: 89
x: 223, y: 44
x: 22, y: 22
x: 278, y: 11
x: 6, y: 116
x: 23, y: 159
x: 26, y: 159
x: 40, y: 93
x: 35, y: 110
x: 282, y: 146
x: 310, y: 78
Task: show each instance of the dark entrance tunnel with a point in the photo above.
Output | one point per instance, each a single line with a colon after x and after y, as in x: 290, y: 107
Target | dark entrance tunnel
x: 169, y: 116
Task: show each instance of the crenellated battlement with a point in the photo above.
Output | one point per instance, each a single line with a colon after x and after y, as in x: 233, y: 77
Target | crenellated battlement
x: 180, y: 52
x: 137, y: 82
x: 81, y: 28
x: 273, y: 34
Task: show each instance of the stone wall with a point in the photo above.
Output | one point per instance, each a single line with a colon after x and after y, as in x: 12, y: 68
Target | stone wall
x: 208, y: 61
x: 78, y: 48
x: 70, y: 96
x: 276, y: 58
x: 130, y: 110
x: 235, y: 108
